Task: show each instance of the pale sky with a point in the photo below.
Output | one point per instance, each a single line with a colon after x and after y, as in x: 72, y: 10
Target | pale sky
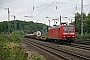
x: 42, y: 9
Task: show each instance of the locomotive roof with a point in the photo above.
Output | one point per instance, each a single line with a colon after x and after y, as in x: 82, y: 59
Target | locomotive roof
x: 56, y: 26
x: 66, y: 25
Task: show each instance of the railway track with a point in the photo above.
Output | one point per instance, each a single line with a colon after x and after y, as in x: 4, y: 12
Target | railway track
x: 84, y: 42
x: 81, y: 46
x: 67, y: 55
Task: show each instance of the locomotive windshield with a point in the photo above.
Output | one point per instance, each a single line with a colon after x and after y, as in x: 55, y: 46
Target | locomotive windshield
x: 68, y: 28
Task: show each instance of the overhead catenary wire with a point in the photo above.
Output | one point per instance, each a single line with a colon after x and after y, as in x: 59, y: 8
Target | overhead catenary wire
x: 35, y: 6
x: 71, y: 4
x: 77, y: 9
x: 44, y: 9
x: 38, y: 3
x: 66, y: 3
x: 50, y: 5
x: 32, y: 8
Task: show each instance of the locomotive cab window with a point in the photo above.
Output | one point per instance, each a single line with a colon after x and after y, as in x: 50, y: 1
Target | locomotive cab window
x: 65, y: 28
x: 68, y: 28
x: 71, y: 28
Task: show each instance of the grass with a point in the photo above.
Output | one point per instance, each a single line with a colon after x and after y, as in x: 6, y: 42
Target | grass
x: 32, y: 55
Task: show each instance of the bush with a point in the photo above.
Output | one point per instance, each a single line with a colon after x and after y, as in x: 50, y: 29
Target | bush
x: 10, y: 50
x: 14, y: 53
x: 84, y: 36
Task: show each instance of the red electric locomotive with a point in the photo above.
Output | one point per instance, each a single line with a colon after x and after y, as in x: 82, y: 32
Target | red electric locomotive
x: 62, y: 33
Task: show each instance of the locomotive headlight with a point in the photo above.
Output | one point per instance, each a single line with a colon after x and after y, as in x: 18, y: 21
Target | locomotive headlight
x: 64, y: 36
x: 72, y: 36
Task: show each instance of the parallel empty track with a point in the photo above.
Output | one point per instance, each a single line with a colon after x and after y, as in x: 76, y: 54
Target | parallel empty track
x: 81, y: 46
x: 67, y: 55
